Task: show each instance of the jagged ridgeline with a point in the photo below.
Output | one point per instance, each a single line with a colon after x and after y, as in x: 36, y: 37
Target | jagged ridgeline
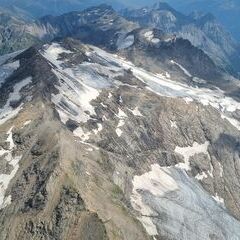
x: 116, y: 131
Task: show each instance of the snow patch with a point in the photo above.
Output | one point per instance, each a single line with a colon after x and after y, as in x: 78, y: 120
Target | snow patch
x: 220, y: 169
x: 190, y: 151
x: 81, y: 134
x: 186, y: 72
x: 155, y: 40
x: 183, y: 203
x: 219, y: 200
x: 136, y: 112
x: 163, y: 86
x: 121, y: 122
x: 109, y: 95
x: 121, y: 113
x: 126, y: 42
x: 149, y: 35
x: 73, y: 100
x: 99, y: 129
x: 52, y: 53
x: 5, y: 178
x: 232, y: 121
x: 7, y: 112
x: 75, y: 96
x: 173, y: 124
x: 201, y: 176
x: 27, y: 122
x: 158, y: 182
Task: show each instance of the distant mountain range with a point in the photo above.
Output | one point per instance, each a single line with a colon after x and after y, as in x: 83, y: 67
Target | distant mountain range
x: 40, y: 8
x: 226, y: 11
x: 202, y: 30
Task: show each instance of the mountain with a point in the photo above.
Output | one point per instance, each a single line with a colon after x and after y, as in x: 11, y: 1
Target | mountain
x: 104, y: 27
x: 202, y: 30
x: 40, y: 8
x: 97, y: 25
x: 13, y: 35
x: 226, y: 11
x: 95, y: 147
x: 112, y: 129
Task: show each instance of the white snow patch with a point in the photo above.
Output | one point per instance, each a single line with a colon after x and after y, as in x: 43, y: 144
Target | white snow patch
x: 186, y: 72
x: 155, y: 40
x: 210, y: 172
x: 109, y: 95
x: 120, y: 99
x: 105, y: 106
x: 73, y: 100
x: 52, y: 53
x: 158, y: 182
x: 171, y: 192
x: 81, y: 134
x: 201, y: 176
x: 219, y: 200
x: 7, y: 112
x: 121, y: 114
x: 121, y: 122
x: 190, y: 151
x: 149, y: 35
x: 27, y: 122
x: 232, y: 121
x: 126, y: 42
x: 188, y: 100
x: 136, y: 112
x: 173, y: 124
x: 99, y: 129
x: 220, y: 169
x: 5, y: 178
x: 119, y: 132
x: 163, y: 86
x: 168, y: 75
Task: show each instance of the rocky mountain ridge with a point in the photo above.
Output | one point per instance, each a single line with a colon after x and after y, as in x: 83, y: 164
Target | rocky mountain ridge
x: 95, y: 147
x: 118, y: 35
x: 110, y: 27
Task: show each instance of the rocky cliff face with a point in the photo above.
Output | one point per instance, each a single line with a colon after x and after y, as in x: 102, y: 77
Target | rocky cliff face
x: 93, y: 146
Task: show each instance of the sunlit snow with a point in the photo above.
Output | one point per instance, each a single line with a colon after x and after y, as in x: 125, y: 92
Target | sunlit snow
x: 5, y: 178
x: 7, y: 112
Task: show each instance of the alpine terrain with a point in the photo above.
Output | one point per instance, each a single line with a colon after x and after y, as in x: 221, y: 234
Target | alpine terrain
x: 115, y: 130
x: 202, y: 29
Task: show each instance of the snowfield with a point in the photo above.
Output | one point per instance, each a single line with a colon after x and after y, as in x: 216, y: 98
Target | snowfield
x: 5, y: 178
x: 164, y: 86
x: 7, y: 112
x: 169, y: 201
